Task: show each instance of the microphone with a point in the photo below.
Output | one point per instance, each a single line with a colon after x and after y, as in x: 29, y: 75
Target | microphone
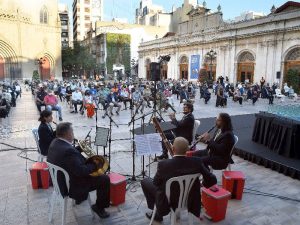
x: 196, y: 142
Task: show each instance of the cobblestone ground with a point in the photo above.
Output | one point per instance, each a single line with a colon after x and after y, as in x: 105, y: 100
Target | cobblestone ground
x: 20, y: 204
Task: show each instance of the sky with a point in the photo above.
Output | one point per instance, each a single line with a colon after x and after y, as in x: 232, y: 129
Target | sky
x: 230, y: 8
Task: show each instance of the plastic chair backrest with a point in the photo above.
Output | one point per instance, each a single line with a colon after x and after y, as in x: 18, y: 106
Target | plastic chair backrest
x: 185, y: 183
x: 53, y: 169
x: 278, y: 92
x: 236, y: 140
x: 196, y: 126
x: 36, y: 138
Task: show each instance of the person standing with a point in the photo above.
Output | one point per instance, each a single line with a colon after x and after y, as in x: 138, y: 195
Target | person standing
x: 262, y: 82
x: 18, y: 90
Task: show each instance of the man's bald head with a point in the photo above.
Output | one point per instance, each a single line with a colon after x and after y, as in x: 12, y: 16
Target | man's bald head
x: 180, y: 146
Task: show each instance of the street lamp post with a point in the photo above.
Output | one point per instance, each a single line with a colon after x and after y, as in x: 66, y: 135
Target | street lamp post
x: 211, y: 55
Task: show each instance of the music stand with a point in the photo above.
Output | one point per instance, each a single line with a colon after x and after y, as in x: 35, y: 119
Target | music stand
x: 101, y: 137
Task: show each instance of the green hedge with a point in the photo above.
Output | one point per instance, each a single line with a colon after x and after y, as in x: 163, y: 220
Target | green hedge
x: 293, y: 79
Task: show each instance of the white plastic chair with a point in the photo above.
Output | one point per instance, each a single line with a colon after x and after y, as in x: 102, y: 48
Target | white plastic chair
x: 185, y: 183
x: 236, y: 139
x: 57, y: 195
x: 36, y: 138
x: 196, y: 126
x: 278, y: 94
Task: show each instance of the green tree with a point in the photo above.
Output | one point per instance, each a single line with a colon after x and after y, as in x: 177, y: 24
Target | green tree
x: 293, y: 79
x: 77, y: 59
x: 118, y: 50
x: 35, y: 75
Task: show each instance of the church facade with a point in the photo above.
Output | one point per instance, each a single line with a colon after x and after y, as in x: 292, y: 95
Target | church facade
x: 30, y: 39
x: 244, y: 51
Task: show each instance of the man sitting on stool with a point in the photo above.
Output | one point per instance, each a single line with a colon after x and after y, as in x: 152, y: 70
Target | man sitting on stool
x: 154, y: 190
x: 217, y: 154
x: 63, y: 154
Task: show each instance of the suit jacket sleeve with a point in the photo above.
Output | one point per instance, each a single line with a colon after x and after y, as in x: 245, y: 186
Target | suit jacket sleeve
x: 209, y: 179
x: 77, y: 165
x: 183, y: 123
x: 223, y: 146
x: 158, y: 179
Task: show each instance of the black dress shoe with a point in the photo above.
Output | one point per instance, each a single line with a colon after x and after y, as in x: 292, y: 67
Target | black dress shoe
x: 156, y: 217
x: 100, y: 212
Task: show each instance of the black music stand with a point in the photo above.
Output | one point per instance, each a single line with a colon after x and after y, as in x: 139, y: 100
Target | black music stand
x: 101, y: 138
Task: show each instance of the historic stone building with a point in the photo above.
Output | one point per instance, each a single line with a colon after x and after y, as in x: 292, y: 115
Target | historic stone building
x: 30, y: 39
x: 244, y: 51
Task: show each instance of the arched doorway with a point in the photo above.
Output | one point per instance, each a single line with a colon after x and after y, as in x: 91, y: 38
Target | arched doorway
x: 211, y: 67
x: 147, y: 68
x: 2, y: 62
x: 292, y: 62
x: 164, y: 70
x: 246, y: 64
x: 45, y: 68
x: 184, y: 67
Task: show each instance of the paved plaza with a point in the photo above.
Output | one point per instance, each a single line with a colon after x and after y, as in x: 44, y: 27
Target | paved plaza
x: 20, y: 204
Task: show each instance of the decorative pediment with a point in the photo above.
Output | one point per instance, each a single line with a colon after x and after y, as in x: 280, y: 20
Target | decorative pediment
x: 198, y: 11
x: 288, y: 6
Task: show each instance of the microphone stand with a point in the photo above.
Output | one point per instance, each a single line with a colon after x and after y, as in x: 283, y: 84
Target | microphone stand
x: 109, y: 139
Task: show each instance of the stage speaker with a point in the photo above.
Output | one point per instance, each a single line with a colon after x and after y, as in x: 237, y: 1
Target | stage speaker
x: 278, y: 75
x: 155, y: 71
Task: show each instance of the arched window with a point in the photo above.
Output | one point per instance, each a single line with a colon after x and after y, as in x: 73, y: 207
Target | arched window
x: 44, y: 15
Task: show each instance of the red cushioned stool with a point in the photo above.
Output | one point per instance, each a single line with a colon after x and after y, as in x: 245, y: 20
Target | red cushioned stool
x: 117, y: 188
x: 215, y: 203
x: 39, y: 175
x: 234, y: 181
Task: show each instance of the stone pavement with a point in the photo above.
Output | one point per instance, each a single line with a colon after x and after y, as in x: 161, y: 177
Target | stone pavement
x: 20, y: 204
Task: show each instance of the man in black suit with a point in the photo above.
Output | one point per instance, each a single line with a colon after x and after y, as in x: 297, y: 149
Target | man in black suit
x: 63, y: 154
x: 217, y: 154
x: 46, y: 134
x: 179, y: 165
x: 184, y: 127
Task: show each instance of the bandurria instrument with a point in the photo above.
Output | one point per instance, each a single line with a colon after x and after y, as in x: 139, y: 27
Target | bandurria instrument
x: 163, y: 136
x: 199, y: 140
x: 102, y: 164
